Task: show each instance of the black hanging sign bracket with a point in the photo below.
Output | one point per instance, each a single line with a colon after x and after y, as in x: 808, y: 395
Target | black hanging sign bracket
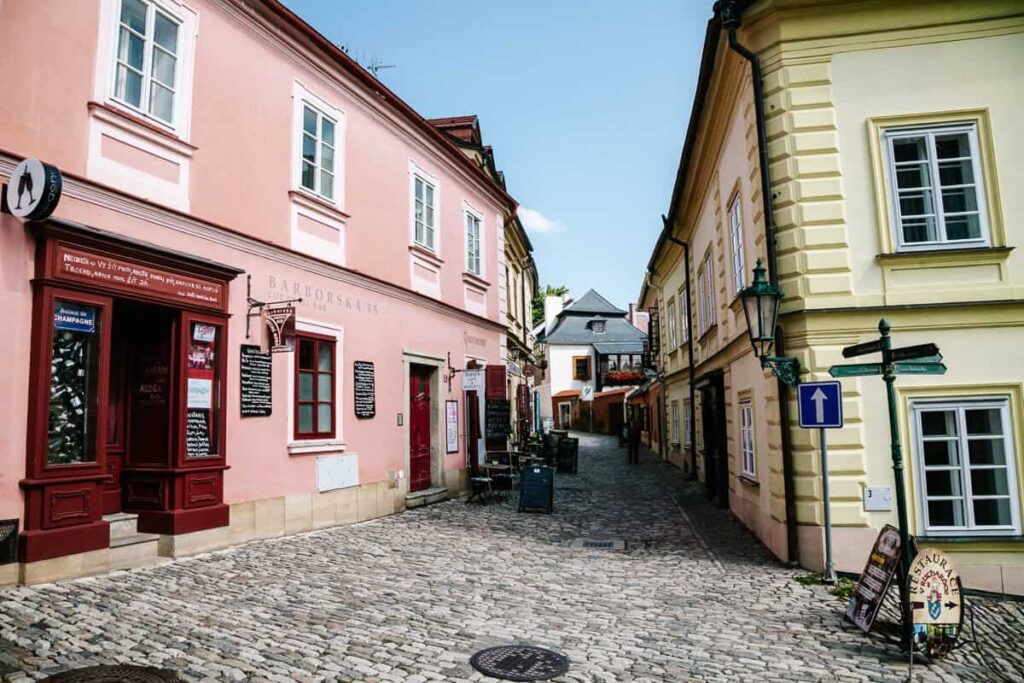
x: 257, y: 308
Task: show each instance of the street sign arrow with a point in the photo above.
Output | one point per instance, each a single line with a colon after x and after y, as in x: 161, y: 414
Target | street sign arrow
x: 914, y: 352
x: 908, y: 368
x: 862, y: 349
x: 855, y: 370
x: 818, y: 398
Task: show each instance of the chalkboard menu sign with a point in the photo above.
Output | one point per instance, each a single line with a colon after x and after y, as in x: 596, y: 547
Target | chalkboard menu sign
x: 875, y: 579
x: 255, y: 382
x: 366, y: 396
x: 498, y: 414
x: 536, y: 489
x: 197, y: 433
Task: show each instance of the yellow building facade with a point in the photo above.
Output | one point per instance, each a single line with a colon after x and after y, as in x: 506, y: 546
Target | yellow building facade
x: 894, y: 139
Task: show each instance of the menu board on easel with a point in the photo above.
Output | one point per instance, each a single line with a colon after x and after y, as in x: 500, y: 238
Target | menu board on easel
x: 255, y: 378
x: 365, y: 391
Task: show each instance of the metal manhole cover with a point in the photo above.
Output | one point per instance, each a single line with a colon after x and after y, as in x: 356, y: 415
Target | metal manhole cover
x: 115, y: 674
x: 519, y: 663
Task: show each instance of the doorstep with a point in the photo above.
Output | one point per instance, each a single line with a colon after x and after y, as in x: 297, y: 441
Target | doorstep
x: 128, y: 547
x: 435, y: 494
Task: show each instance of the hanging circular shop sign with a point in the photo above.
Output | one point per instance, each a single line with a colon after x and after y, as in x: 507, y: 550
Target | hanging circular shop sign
x: 936, y: 602
x: 34, y: 190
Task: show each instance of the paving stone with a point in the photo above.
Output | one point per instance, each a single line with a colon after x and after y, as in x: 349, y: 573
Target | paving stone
x: 693, y: 597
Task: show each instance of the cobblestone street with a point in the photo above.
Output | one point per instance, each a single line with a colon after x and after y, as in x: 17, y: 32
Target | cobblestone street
x: 411, y: 597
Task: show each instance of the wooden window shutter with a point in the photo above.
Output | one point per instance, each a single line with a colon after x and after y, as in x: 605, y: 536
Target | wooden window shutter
x: 495, y: 382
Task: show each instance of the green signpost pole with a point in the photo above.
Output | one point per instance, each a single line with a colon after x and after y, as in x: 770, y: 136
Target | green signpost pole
x: 921, y: 359
x: 829, y: 576
x: 889, y: 376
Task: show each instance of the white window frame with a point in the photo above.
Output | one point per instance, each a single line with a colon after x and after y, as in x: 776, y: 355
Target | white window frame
x: 417, y: 173
x: 319, y: 167
x: 929, y: 132
x: 675, y: 421
x: 687, y: 422
x: 469, y: 213
x: 302, y: 97
x: 104, y: 87
x: 748, y: 454
x: 149, y: 46
x: 670, y: 315
x: 705, y: 296
x: 684, y: 317
x: 739, y: 274
x: 959, y: 405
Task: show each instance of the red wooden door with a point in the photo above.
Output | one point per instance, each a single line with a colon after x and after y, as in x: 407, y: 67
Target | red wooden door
x: 115, y: 424
x: 419, y: 428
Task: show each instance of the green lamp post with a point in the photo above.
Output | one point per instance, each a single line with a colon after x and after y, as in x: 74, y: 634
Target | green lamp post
x: 761, y: 308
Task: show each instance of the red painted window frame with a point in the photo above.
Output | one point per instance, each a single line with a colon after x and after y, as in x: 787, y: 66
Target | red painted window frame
x: 186, y: 319
x: 38, y: 465
x: 317, y: 340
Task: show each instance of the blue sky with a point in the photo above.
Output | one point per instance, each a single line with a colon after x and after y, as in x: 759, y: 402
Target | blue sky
x: 585, y: 103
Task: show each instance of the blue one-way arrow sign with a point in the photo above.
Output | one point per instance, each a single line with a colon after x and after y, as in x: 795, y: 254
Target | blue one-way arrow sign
x: 821, y: 405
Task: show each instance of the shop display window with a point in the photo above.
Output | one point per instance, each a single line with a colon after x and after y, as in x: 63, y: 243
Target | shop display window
x: 74, y: 384
x: 202, y: 386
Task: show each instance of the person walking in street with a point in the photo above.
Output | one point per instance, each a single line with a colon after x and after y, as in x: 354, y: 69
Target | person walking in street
x: 633, y: 438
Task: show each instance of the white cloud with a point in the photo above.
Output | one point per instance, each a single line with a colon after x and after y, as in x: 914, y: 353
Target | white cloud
x: 538, y: 223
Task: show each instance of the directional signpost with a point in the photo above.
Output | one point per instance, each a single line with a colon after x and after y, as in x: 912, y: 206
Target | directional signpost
x: 922, y: 359
x: 821, y: 407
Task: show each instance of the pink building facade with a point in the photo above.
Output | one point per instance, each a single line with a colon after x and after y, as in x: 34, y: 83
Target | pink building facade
x: 216, y: 155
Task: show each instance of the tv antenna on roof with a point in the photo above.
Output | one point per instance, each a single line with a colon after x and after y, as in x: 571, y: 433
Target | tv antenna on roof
x: 373, y: 65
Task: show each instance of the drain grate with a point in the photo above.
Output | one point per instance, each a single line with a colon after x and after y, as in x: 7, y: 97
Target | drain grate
x: 598, y: 544
x: 519, y: 663
x: 115, y: 674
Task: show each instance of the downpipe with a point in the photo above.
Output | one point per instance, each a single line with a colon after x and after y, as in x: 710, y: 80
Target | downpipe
x: 729, y: 15
x: 689, y: 346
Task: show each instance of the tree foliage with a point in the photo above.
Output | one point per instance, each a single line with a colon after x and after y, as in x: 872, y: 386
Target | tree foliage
x: 542, y: 293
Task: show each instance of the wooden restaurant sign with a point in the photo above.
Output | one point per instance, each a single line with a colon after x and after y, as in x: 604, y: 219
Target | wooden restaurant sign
x: 136, y: 277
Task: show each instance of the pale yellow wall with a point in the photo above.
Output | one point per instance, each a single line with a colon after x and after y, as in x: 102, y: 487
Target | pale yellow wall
x: 831, y: 70
x: 825, y: 92
x: 983, y: 74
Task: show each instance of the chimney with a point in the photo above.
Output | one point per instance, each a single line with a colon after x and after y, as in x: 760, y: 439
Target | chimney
x: 552, y: 307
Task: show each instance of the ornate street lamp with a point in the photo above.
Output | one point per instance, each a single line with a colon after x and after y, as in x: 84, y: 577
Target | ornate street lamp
x: 761, y: 308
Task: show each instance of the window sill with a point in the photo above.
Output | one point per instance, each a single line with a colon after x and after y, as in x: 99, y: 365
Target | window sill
x: 116, y: 115
x: 473, y: 278
x: 948, y: 253
x: 317, y: 203
x: 706, y: 334
x: 316, y: 446
x: 965, y: 538
x: 748, y: 480
x: 737, y: 304
x: 425, y: 253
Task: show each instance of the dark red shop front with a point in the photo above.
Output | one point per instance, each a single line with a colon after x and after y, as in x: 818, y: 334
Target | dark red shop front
x: 128, y: 390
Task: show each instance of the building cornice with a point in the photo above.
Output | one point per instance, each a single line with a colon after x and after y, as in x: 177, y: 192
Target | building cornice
x: 108, y: 198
